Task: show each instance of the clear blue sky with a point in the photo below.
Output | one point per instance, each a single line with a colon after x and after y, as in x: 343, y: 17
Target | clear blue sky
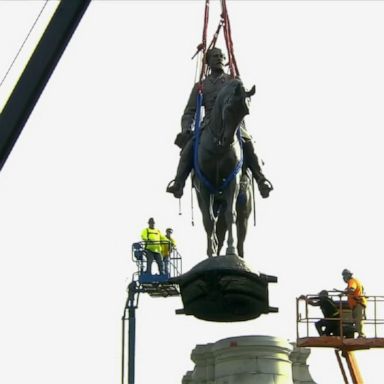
x: 93, y: 161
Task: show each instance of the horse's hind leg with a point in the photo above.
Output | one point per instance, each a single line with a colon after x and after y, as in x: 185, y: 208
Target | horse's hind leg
x: 221, y: 228
x: 212, y: 242
x: 243, y: 209
x: 213, y: 220
x: 230, y: 218
x: 242, y: 224
x: 209, y: 224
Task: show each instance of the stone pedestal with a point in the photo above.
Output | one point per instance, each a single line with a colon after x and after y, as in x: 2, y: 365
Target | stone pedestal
x: 300, y: 368
x: 249, y: 360
x: 242, y: 360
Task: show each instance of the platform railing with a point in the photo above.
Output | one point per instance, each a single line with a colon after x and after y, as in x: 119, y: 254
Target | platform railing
x: 139, y: 257
x: 306, y: 316
x: 156, y: 285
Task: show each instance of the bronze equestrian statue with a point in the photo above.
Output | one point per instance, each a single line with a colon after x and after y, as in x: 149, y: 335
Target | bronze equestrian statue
x: 220, y: 150
x: 211, y: 85
x: 218, y: 161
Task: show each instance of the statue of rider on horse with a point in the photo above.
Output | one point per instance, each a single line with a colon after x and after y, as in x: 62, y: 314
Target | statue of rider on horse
x: 221, y: 288
x: 211, y: 86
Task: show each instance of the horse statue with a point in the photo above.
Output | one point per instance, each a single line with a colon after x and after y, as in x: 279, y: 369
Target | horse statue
x: 218, y: 161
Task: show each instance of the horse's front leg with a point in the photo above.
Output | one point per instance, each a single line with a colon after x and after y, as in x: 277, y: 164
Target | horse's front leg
x: 230, y: 217
x: 209, y: 223
x: 213, y: 218
x: 242, y: 224
x: 212, y: 242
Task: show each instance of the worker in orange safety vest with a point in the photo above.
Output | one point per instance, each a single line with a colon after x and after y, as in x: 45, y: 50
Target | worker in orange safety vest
x: 357, y: 300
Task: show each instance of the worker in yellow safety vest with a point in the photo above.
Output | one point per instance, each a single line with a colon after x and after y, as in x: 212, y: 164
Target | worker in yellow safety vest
x: 167, y: 247
x: 152, y: 238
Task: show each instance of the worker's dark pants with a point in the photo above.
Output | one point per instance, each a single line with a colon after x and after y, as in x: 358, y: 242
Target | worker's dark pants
x: 154, y: 256
x: 331, y: 327
x: 358, y: 314
x: 166, y: 264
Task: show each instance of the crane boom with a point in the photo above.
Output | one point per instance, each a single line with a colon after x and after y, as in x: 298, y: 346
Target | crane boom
x: 37, y: 72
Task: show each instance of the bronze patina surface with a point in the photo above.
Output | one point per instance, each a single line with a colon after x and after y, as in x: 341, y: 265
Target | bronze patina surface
x: 224, y: 289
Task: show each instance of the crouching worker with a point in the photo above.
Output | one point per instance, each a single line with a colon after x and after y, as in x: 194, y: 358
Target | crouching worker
x: 330, y: 325
x: 152, y: 238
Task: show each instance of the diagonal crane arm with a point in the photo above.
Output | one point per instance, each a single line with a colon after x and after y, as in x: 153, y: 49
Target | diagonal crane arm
x: 37, y: 72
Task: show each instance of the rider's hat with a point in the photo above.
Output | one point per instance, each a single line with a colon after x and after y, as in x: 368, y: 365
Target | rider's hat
x: 346, y: 272
x: 151, y: 220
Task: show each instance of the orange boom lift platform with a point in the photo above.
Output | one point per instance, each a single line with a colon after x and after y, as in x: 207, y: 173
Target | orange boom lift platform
x: 345, y: 344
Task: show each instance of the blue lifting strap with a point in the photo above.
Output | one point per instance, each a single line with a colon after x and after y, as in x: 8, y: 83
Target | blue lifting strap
x: 199, y: 173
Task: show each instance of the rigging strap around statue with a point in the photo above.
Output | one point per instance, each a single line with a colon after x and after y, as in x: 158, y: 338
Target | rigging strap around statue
x: 202, y: 47
x: 228, y: 41
x: 212, y: 189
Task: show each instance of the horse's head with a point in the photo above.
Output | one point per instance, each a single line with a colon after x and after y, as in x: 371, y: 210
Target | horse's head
x: 233, y: 104
x: 236, y: 101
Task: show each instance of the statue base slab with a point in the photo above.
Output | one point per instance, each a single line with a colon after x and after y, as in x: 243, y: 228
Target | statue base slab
x: 224, y: 289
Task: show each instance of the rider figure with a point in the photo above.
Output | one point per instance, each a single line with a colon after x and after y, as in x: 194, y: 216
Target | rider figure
x: 211, y: 86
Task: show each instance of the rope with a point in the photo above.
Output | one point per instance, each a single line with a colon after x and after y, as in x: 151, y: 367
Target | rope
x: 228, y: 41
x: 202, y: 47
x: 216, y: 35
x: 206, y: 19
x: 253, y: 202
x: 23, y: 43
x: 192, y: 214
